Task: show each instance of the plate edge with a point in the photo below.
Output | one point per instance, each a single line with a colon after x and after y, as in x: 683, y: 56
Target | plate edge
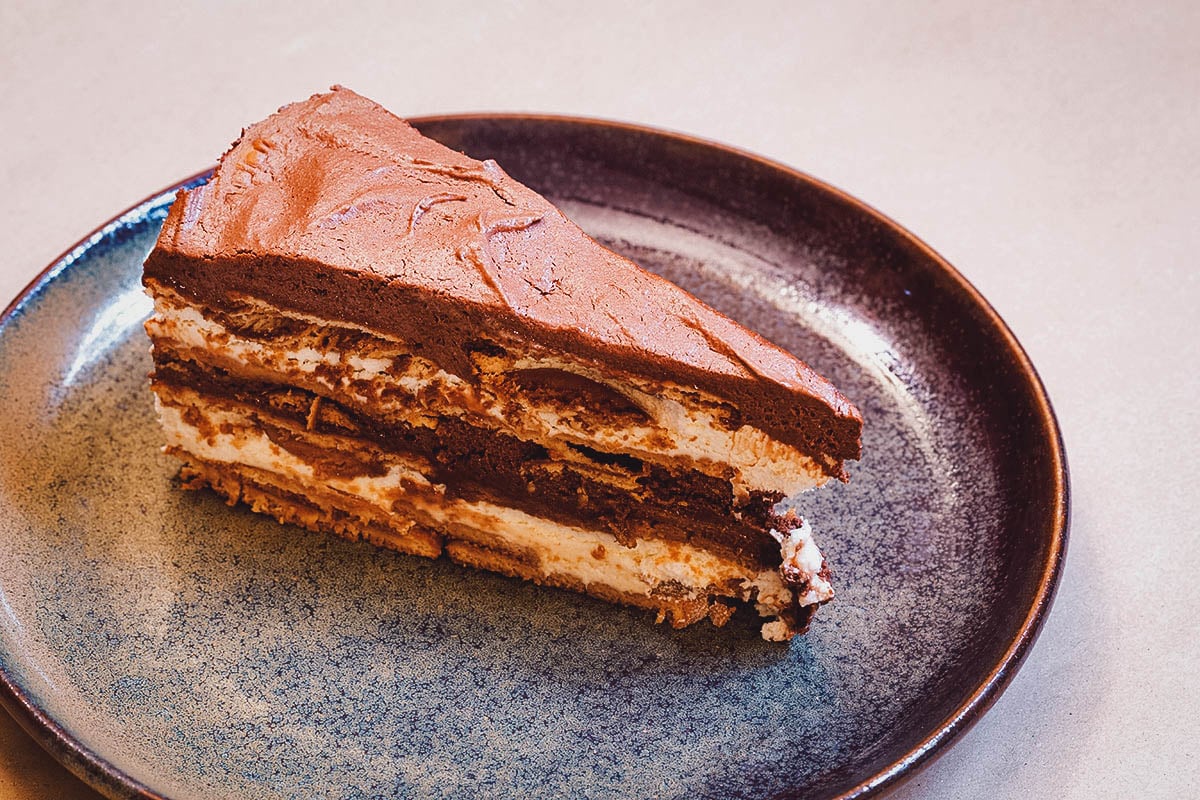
x: 111, y: 781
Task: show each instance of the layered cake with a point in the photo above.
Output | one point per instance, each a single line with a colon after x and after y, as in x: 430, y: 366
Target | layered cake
x: 363, y: 332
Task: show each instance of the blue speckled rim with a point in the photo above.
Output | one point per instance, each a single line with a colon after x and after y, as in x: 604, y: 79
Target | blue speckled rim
x: 102, y: 775
x: 56, y: 740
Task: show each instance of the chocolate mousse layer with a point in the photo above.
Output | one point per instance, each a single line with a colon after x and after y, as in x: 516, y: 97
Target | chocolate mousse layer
x: 335, y: 208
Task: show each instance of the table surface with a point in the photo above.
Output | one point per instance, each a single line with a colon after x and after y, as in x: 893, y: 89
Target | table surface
x: 1050, y: 151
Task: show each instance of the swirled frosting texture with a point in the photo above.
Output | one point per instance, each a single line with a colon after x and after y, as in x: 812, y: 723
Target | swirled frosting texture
x: 336, y: 207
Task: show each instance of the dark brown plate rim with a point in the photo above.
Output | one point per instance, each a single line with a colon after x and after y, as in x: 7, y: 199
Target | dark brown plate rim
x: 105, y: 777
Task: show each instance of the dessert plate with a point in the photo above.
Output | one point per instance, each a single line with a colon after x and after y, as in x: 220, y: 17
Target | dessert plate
x: 162, y: 644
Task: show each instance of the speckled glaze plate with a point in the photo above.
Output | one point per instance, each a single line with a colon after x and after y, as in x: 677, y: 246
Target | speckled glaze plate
x: 162, y: 644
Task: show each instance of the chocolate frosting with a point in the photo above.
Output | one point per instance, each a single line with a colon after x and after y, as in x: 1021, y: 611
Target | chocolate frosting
x: 337, y: 208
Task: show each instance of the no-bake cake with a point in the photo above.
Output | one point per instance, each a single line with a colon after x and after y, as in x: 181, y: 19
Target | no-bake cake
x: 361, y: 331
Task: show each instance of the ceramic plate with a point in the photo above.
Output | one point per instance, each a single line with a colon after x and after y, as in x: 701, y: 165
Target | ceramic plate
x: 160, y: 643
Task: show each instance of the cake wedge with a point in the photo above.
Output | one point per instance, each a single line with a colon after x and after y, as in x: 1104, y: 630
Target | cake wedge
x: 361, y: 331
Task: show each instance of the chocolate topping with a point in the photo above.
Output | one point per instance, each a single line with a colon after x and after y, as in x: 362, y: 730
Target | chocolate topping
x: 336, y: 208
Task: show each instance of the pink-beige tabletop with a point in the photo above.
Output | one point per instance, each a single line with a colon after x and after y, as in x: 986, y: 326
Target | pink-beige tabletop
x: 1048, y: 151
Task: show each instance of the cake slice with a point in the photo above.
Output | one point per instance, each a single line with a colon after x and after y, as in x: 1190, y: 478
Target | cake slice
x: 363, y: 332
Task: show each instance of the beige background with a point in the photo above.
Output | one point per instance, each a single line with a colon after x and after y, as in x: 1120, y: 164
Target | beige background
x: 1051, y: 151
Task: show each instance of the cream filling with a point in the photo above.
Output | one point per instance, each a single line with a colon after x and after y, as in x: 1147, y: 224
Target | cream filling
x: 560, y: 549
x: 759, y: 462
